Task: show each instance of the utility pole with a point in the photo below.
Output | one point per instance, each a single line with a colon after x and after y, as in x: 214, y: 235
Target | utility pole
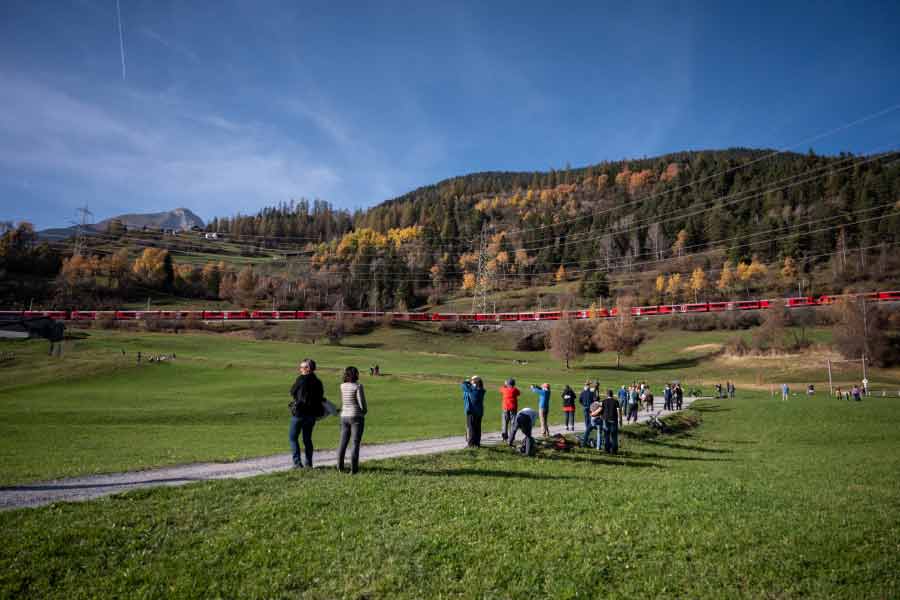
x: 80, y: 227
x: 830, y: 386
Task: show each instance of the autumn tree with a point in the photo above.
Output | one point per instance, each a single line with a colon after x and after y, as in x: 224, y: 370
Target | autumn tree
x: 726, y: 278
x: 560, y: 274
x: 245, y: 291
x: 698, y: 282
x: 660, y: 286
x: 150, y: 267
x: 860, y: 330
x: 619, y: 334
x: 212, y: 277
x: 673, y: 286
x: 789, y: 272
x: 568, y: 340
x: 680, y: 244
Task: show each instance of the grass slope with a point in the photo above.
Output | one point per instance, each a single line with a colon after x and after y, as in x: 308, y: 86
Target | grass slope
x: 764, y: 499
x: 225, y: 397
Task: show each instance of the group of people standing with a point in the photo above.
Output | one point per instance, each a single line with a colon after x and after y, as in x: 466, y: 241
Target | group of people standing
x: 727, y: 392
x: 603, y: 414
x: 308, y: 405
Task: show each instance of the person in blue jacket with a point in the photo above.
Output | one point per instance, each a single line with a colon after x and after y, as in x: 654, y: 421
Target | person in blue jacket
x: 543, y: 393
x: 473, y: 403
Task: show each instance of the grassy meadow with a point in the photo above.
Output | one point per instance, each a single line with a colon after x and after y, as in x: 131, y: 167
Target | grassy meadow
x: 763, y: 499
x: 225, y: 395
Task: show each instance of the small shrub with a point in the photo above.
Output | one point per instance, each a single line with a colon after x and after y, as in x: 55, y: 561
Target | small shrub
x: 455, y: 327
x: 533, y: 342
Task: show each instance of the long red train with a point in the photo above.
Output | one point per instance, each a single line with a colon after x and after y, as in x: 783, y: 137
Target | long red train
x: 553, y: 315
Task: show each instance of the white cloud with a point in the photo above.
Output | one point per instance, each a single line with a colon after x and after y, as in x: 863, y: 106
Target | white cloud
x: 139, y: 153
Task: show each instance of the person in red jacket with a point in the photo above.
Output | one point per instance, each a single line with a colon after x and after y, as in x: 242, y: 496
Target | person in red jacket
x: 509, y: 395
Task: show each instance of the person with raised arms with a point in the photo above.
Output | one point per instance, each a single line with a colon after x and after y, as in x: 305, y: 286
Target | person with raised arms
x: 543, y: 393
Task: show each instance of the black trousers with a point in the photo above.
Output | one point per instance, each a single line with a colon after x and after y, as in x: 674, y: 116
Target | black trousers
x: 473, y: 430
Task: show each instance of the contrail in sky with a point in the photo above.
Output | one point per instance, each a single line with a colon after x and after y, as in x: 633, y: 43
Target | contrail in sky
x: 121, y: 39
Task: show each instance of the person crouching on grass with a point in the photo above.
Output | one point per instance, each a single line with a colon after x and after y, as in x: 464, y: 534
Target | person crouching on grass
x: 543, y: 393
x: 524, y: 421
x: 353, y: 418
x: 473, y: 403
x: 307, y: 405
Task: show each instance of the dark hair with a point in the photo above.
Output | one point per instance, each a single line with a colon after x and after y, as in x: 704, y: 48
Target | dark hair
x: 351, y: 375
x: 310, y: 363
x: 609, y: 394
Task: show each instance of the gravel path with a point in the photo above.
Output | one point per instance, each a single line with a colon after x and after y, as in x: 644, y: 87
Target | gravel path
x: 86, y: 488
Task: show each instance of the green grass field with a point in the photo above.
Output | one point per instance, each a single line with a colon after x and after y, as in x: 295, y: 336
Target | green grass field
x: 764, y: 499
x: 225, y: 397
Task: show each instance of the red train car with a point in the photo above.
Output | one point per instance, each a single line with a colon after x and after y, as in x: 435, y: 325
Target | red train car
x: 264, y: 314
x: 285, y: 315
x: 52, y: 314
x: 527, y: 316
x: 550, y: 315
x: 84, y: 315
x: 801, y: 301
x: 444, y: 317
x: 508, y: 316
x: 696, y: 308
x: 668, y: 309
x: 746, y: 305
x: 888, y: 296
x: 306, y: 314
x: 719, y: 306
x: 467, y: 317
x: 419, y: 317
x: 213, y: 315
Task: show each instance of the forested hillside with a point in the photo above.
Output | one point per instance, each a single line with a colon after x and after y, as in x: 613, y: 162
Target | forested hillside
x: 767, y: 219
x: 684, y: 226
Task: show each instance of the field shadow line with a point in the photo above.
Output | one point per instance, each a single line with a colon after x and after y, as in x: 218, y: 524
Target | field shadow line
x: 465, y: 472
x: 614, y: 460
x: 693, y: 447
x: 88, y: 486
x: 689, y: 458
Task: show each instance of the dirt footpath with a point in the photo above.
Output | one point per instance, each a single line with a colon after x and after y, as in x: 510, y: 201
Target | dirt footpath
x: 86, y: 488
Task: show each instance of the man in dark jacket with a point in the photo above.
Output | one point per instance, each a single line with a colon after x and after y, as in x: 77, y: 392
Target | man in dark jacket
x: 586, y: 398
x: 306, y: 407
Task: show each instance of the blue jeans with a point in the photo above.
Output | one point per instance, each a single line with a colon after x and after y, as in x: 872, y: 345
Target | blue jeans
x: 351, y: 428
x: 305, y: 426
x: 611, y: 436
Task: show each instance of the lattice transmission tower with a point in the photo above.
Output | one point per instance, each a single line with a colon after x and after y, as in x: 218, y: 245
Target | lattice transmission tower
x: 80, y: 227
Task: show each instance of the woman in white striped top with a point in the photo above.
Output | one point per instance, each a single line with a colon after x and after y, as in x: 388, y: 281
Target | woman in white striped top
x: 353, y: 413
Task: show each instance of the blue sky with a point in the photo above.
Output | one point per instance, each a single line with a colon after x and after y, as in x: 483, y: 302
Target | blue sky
x: 233, y: 106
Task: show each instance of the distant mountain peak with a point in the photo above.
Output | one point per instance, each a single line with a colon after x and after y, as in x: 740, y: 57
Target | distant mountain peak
x: 179, y: 219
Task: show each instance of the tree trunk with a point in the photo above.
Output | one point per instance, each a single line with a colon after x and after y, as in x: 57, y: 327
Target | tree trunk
x: 618, y: 360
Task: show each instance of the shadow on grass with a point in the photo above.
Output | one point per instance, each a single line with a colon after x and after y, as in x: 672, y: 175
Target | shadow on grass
x: 91, y: 486
x: 695, y: 448
x: 463, y: 472
x: 678, y: 363
x: 613, y: 460
x: 366, y: 346
x: 669, y: 457
x: 711, y: 409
